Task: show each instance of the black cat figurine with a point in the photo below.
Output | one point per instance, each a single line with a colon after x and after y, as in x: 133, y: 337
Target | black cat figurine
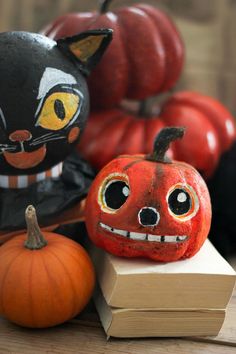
x: 43, y: 97
x: 44, y: 104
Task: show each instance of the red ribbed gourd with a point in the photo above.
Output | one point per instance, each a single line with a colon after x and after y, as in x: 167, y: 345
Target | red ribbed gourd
x: 144, y: 58
x: 210, y: 131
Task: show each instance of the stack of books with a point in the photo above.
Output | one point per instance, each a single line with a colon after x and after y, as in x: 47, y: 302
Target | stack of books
x: 142, y: 298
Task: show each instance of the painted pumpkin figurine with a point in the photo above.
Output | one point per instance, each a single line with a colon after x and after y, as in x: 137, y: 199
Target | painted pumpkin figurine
x: 149, y: 206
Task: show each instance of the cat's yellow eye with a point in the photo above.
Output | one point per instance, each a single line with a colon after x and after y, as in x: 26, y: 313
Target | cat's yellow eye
x: 58, y: 110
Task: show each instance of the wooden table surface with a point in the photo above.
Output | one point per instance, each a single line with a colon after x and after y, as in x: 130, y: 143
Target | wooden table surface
x: 85, y: 335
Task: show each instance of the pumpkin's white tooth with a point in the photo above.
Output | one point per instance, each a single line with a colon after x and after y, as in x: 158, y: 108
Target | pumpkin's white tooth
x: 171, y: 238
x: 142, y: 237
x: 137, y: 236
x: 181, y: 238
x: 104, y: 226
x: 155, y: 238
x: 119, y: 232
x: 111, y: 229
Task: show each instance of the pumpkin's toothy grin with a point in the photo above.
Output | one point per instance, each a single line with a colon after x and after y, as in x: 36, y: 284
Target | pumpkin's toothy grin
x: 138, y: 236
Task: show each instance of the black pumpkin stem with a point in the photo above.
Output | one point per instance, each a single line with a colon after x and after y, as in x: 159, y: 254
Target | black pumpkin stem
x: 35, y: 240
x: 104, y: 6
x: 162, y: 143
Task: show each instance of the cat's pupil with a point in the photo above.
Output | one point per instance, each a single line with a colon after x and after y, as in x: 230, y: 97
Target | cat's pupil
x: 59, y: 109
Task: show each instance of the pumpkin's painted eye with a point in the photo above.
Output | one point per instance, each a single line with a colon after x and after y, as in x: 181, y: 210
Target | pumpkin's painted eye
x: 58, y: 110
x: 179, y: 201
x: 182, y: 202
x: 113, y: 193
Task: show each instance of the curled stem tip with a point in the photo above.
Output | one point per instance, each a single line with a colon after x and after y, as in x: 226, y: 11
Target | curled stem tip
x: 162, y: 143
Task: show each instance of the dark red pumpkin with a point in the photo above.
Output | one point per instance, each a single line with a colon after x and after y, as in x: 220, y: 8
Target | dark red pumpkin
x: 144, y: 58
x: 210, y: 132
x: 204, y: 117
x: 149, y: 206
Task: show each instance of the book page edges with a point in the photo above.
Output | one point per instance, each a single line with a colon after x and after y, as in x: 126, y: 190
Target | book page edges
x: 107, y: 279
x: 153, y: 323
x: 162, y: 324
x: 121, y: 278
x: 171, y: 291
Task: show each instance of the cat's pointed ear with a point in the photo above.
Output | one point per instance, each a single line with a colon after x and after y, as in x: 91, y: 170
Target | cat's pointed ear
x: 87, y: 47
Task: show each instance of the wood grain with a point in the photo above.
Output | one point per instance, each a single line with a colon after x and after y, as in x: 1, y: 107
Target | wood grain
x: 78, y: 338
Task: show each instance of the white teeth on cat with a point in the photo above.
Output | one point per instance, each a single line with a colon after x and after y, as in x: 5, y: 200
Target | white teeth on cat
x: 145, y: 237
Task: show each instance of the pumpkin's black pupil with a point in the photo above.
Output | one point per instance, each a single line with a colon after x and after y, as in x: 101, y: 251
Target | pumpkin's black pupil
x: 59, y: 109
x: 116, y: 194
x: 179, y: 201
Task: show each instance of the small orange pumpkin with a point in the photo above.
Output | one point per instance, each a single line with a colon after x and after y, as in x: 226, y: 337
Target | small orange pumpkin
x: 45, y: 279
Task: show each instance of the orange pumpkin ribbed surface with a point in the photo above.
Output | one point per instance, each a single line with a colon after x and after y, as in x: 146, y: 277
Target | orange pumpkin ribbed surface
x: 45, y: 279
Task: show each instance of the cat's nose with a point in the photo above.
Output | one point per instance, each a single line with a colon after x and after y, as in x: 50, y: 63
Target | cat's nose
x: 20, y: 135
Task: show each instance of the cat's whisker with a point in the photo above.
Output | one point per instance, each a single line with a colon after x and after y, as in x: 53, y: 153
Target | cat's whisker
x: 6, y: 146
x: 7, y: 149
x: 47, y: 140
x: 44, y: 136
x: 54, y: 138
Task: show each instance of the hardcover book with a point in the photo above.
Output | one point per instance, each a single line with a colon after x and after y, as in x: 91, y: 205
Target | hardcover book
x: 145, y: 322
x: 205, y: 281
